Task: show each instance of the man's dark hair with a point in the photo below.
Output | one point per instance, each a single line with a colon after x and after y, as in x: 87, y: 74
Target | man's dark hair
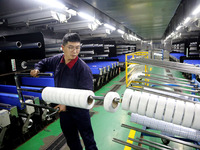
x: 71, y: 37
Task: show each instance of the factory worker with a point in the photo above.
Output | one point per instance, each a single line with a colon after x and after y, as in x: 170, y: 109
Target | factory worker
x: 71, y: 72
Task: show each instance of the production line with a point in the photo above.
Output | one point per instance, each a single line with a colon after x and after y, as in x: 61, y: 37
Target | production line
x: 151, y: 110
x: 176, y: 56
x: 103, y: 71
x: 144, y: 58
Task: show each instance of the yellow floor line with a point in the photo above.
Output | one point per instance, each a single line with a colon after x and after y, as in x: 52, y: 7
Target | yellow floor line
x: 131, y: 135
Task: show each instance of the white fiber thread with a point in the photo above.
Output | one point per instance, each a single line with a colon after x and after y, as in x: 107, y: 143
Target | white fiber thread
x: 69, y: 97
x: 108, y: 100
x: 143, y: 103
x: 127, y: 99
x: 135, y: 101
x: 188, y: 115
x: 170, y: 128
x: 169, y: 110
x: 160, y: 107
x: 178, y: 113
x: 196, y: 123
x: 151, y: 105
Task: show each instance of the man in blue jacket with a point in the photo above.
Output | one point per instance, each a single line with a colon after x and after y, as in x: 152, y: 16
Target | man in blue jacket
x: 71, y: 72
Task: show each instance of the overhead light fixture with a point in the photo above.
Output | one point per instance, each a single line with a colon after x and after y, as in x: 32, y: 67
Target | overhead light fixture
x: 98, y: 22
x: 62, y: 17
x: 178, y: 27
x: 86, y: 16
x: 109, y: 26
x: 108, y: 31
x: 186, y: 20
x: 93, y: 26
x: 196, y: 11
x: 53, y: 3
x: 72, y: 12
x: 120, y: 31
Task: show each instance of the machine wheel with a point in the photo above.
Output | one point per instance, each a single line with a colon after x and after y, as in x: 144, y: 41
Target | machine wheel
x: 165, y: 141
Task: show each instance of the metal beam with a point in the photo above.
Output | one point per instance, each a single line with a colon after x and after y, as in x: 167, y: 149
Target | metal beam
x: 167, y: 81
x: 186, y: 80
x: 154, y: 143
x: 151, y: 145
x: 169, y: 86
x: 128, y: 144
x: 161, y: 136
x: 167, y: 64
x: 170, y: 92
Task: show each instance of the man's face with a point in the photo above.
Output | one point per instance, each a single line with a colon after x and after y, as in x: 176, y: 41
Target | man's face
x: 71, y: 50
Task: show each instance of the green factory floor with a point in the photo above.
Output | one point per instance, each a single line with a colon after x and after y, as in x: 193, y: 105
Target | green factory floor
x: 106, y: 125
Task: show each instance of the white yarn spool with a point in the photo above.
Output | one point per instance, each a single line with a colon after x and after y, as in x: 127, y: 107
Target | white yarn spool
x: 188, y: 115
x: 135, y: 101
x: 84, y: 100
x: 126, y: 99
x: 151, y: 105
x: 196, y: 124
x: 166, y: 127
x: 169, y: 110
x: 160, y: 107
x: 109, y: 104
x: 69, y: 97
x: 178, y: 113
x: 143, y: 103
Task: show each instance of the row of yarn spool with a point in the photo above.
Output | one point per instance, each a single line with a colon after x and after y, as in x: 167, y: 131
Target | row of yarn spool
x: 78, y: 98
x: 182, y: 117
x: 166, y: 127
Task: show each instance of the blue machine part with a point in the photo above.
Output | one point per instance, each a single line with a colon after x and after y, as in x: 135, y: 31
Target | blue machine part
x: 96, y: 65
x: 13, y: 90
x: 121, y: 58
x: 42, y: 81
x: 11, y: 99
x: 194, y: 62
x: 8, y: 89
x: 177, y: 55
x: 95, y: 71
x: 102, y: 64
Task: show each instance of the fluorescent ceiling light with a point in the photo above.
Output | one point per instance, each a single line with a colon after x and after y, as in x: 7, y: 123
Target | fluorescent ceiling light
x: 52, y: 3
x: 72, y: 12
x: 172, y: 34
x: 178, y: 27
x: 120, y: 31
x: 98, y: 22
x: 61, y: 17
x: 109, y: 26
x: 186, y: 20
x: 196, y: 11
x: 134, y: 37
x: 86, y: 16
x: 93, y: 26
x: 108, y: 31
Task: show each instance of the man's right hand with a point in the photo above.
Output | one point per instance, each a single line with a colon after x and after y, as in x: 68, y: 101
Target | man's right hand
x: 61, y: 108
x: 34, y: 72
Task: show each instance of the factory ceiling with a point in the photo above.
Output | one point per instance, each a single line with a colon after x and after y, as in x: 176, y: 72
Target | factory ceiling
x: 147, y: 18
x: 139, y: 19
